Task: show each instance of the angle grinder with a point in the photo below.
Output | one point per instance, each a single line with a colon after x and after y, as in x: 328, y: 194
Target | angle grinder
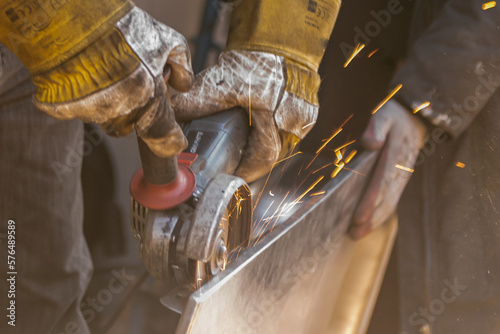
x: 190, y: 214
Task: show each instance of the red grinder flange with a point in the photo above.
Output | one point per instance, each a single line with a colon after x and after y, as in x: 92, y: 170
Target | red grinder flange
x: 163, y: 183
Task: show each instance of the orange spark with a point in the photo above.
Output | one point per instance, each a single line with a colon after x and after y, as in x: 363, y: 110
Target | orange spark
x: 337, y: 170
x: 460, y: 164
x: 345, y: 145
x: 309, y: 189
x: 329, y: 140
x: 318, y: 193
x: 357, y: 50
x: 350, y: 156
x: 488, y: 5
x: 372, y: 53
x: 384, y: 101
x: 289, y: 157
x: 334, y: 135
x: 421, y: 107
x: 406, y: 169
x: 317, y: 170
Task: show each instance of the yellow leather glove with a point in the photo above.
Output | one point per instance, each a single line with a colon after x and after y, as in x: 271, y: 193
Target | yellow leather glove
x: 102, y: 62
x: 270, y: 69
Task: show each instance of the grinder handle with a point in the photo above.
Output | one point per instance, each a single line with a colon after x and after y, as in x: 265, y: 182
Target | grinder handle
x: 157, y: 170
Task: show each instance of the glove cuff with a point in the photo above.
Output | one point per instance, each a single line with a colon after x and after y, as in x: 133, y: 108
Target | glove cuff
x: 105, y: 62
x: 294, y: 29
x: 45, y: 34
x: 302, y: 82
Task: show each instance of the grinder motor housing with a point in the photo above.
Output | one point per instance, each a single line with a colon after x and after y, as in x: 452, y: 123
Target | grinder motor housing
x: 189, y: 227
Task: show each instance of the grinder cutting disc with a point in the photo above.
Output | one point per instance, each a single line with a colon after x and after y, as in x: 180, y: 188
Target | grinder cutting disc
x: 221, y: 225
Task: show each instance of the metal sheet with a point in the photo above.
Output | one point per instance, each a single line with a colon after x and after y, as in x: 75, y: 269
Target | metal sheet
x: 283, y: 284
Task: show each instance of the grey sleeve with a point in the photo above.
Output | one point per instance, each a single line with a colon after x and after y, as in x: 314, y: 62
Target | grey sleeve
x: 454, y: 65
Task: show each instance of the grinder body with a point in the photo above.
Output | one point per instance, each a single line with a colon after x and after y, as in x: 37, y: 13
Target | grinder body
x: 188, y: 227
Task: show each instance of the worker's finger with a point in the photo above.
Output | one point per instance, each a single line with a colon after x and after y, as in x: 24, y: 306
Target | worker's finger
x: 262, y: 150
x: 179, y: 61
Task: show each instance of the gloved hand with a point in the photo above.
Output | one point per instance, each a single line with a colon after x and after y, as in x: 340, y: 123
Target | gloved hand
x: 256, y: 81
x: 399, y: 136
x: 102, y: 62
x: 270, y: 69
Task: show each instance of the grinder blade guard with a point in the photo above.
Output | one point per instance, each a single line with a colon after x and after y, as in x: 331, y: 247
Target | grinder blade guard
x: 190, y: 214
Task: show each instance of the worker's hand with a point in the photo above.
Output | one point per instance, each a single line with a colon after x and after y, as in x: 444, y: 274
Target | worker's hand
x: 259, y: 83
x: 110, y: 70
x: 399, y: 136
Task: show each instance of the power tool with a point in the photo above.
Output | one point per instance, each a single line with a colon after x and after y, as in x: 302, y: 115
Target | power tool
x: 189, y: 212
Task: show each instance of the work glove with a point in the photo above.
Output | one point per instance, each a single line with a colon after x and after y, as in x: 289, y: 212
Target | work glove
x: 398, y: 135
x: 269, y: 69
x: 102, y: 62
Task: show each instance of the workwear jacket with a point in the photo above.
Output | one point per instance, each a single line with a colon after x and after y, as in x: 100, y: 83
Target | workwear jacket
x: 449, y: 246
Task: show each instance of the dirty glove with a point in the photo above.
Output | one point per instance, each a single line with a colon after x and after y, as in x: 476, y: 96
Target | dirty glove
x: 399, y: 135
x: 102, y: 62
x: 269, y: 69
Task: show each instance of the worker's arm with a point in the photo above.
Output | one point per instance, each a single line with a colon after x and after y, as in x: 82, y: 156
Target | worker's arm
x: 100, y: 61
x: 270, y: 68
x: 452, y: 70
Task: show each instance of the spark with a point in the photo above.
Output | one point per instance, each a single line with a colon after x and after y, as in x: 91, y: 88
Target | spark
x: 317, y: 170
x: 322, y: 147
x: 488, y: 5
x: 309, y: 189
x: 354, y: 171
x: 271, y: 193
x: 337, y: 170
x: 372, y: 53
x: 357, y: 50
x: 421, y: 107
x: 308, y: 125
x: 250, y: 99
x: 334, y: 135
x: 339, y: 156
x: 345, y: 145
x: 350, y: 156
x: 258, y: 226
x: 276, y: 214
x: 460, y: 164
x: 384, y: 101
x: 318, y: 193
x: 406, y: 169
x: 289, y: 157
x: 237, y: 207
